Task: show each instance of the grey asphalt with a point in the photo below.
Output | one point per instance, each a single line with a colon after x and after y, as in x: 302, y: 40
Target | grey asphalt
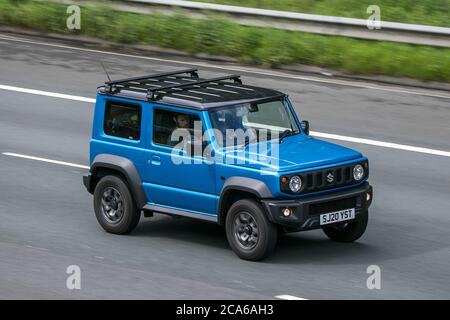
x: 47, y: 221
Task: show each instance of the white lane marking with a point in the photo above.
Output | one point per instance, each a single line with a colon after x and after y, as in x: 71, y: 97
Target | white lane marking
x: 381, y: 144
x: 38, y: 248
x: 46, y: 93
x: 313, y: 133
x: 68, y: 164
x: 289, y: 297
x: 230, y: 68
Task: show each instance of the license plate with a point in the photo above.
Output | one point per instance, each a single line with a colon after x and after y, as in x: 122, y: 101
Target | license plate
x: 337, y: 216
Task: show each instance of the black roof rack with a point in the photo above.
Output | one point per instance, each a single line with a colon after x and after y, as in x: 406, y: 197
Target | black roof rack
x: 184, y: 87
x: 192, y: 72
x: 111, y: 86
x: 152, y: 94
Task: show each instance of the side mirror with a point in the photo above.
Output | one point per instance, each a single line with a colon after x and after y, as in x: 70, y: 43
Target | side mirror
x: 305, y: 126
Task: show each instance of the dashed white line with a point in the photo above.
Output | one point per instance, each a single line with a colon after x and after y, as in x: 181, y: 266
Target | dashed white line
x: 381, y: 144
x: 289, y: 297
x: 68, y: 164
x: 38, y: 248
x: 241, y: 69
x: 377, y: 143
x: 47, y: 94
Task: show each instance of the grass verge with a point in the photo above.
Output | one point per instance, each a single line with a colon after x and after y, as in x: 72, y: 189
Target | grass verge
x: 251, y: 45
x: 428, y: 12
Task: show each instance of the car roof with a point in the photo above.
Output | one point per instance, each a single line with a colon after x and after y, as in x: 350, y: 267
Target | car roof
x: 185, y: 88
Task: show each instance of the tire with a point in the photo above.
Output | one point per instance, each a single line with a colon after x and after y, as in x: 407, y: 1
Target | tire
x: 114, y: 191
x: 262, y: 234
x: 349, y: 232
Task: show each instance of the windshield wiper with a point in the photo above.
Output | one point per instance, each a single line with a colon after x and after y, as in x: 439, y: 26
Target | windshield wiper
x: 284, y: 134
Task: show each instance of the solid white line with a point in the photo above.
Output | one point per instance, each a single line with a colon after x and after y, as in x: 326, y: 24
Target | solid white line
x: 313, y: 133
x: 68, y: 164
x: 48, y: 94
x: 381, y: 144
x: 289, y: 297
x: 230, y: 68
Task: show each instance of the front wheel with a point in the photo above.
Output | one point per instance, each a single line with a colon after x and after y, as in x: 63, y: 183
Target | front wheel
x: 250, y: 234
x: 350, y: 231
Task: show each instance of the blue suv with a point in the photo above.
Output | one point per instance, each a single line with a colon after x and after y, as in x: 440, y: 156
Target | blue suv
x: 221, y: 151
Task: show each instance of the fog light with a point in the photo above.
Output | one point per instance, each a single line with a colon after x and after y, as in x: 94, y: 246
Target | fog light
x: 368, y: 196
x: 287, y: 212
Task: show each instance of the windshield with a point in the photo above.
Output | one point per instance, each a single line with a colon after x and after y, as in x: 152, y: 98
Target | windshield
x: 255, y: 122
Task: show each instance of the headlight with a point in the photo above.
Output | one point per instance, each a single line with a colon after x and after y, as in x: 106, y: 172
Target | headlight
x: 358, y: 172
x: 295, y: 183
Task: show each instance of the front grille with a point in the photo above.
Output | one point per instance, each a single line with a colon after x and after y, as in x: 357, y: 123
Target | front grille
x: 332, y: 206
x: 319, y: 180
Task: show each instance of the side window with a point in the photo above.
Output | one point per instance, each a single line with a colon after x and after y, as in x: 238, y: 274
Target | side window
x: 123, y: 120
x: 166, y: 123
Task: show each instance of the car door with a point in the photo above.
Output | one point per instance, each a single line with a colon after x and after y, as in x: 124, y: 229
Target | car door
x: 176, y: 178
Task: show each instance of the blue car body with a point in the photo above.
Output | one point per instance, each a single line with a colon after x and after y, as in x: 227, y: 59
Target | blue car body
x: 202, y: 190
x: 197, y: 188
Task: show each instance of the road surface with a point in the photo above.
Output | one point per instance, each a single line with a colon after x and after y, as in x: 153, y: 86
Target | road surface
x: 47, y: 221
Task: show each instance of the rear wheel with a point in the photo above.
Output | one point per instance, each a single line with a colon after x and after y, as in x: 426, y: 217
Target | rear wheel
x: 348, y: 232
x: 250, y: 234
x: 114, y: 207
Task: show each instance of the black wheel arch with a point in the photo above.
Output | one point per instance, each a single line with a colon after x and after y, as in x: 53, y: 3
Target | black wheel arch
x: 106, y: 164
x: 236, y: 188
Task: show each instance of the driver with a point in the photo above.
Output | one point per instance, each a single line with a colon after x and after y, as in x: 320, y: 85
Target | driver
x: 182, y: 121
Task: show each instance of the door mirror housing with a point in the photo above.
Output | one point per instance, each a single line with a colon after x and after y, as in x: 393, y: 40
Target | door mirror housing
x: 305, y: 126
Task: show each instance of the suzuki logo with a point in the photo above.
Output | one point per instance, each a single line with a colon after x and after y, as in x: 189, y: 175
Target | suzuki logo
x: 330, y: 177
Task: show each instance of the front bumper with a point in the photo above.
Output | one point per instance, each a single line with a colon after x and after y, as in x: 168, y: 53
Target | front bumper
x: 306, y: 211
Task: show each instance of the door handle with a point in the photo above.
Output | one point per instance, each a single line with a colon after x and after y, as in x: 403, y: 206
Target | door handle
x: 156, y: 160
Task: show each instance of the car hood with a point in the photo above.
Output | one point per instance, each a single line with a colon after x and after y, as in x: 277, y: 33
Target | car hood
x: 293, y: 153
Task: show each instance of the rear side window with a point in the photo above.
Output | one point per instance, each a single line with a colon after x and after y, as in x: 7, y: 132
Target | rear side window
x: 123, y: 120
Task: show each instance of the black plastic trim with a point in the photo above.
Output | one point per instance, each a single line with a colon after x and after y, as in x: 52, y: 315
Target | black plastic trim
x: 125, y: 167
x: 302, y: 217
x: 256, y: 187
x: 177, y: 212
